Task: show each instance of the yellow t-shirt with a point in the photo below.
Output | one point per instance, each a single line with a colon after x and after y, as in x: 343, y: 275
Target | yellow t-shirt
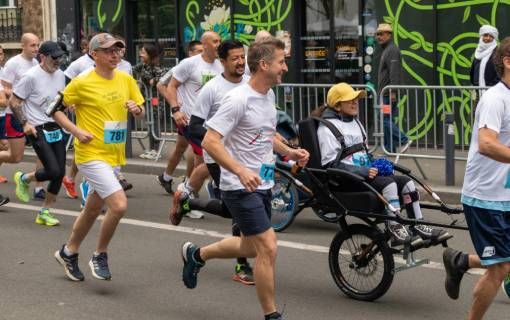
x: 100, y: 110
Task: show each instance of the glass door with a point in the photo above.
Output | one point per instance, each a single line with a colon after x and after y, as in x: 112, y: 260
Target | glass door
x: 347, y: 31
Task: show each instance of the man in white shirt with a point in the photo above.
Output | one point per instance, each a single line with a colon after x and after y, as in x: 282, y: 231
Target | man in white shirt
x: 486, y: 195
x: 241, y: 138
x: 29, y: 100
x: 13, y: 71
x: 191, y: 74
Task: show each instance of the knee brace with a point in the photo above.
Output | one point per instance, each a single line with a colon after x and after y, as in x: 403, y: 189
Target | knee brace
x: 410, y: 197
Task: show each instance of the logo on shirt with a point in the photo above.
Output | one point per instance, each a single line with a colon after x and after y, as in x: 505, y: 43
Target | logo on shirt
x: 489, y: 252
x: 260, y: 138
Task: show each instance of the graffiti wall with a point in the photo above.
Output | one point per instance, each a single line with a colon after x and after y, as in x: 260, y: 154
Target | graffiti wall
x: 249, y: 17
x: 455, y: 41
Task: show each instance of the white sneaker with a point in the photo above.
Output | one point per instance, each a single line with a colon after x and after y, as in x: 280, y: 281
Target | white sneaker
x: 406, y: 146
x: 194, y: 214
x: 152, y: 155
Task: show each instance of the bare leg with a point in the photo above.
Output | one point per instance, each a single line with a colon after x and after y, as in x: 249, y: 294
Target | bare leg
x: 38, y: 165
x: 190, y: 162
x: 15, y: 152
x: 198, y: 177
x: 174, y: 159
x: 486, y: 289
x: 85, y: 221
x: 117, y: 206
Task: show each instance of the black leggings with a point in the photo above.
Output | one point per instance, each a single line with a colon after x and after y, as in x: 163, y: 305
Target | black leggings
x: 52, y: 156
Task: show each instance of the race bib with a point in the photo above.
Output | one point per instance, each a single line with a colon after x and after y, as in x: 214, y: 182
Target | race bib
x: 115, y: 132
x: 361, y: 160
x: 53, y: 136
x: 267, y: 169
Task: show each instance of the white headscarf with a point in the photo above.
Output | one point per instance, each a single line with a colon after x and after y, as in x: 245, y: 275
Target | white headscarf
x: 484, y: 50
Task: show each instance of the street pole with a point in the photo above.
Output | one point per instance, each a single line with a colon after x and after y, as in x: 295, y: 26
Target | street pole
x: 449, y: 148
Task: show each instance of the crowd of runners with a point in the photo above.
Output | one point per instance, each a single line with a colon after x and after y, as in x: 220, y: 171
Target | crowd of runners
x: 221, y: 102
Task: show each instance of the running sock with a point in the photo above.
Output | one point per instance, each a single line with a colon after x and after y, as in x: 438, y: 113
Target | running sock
x: 242, y: 261
x: 24, y: 179
x: 409, y: 188
x: 274, y: 315
x: 167, y: 177
x: 67, y: 252
x: 37, y: 189
x: 196, y: 256
x: 42, y: 209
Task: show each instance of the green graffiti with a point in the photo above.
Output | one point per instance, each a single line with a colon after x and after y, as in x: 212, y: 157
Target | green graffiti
x: 453, y: 64
x: 102, y: 13
x: 250, y: 17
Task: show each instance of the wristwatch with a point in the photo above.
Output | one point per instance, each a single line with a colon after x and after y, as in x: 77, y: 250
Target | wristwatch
x: 175, y: 109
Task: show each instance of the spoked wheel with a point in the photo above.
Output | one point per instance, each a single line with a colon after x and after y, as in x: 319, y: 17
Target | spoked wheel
x: 284, y: 203
x: 361, y: 263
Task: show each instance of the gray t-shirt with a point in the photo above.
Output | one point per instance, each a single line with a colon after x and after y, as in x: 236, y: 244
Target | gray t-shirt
x: 209, y: 100
x: 38, y: 88
x: 247, y: 121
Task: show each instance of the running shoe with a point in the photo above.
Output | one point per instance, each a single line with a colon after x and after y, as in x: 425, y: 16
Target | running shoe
x: 3, y: 200
x: 3, y: 179
x: 505, y: 285
x: 84, y: 190
x: 70, y: 264
x: 243, y: 274
x: 125, y: 185
x: 44, y: 217
x: 22, y: 190
x: 180, y: 206
x: 39, y: 195
x: 69, y: 187
x: 167, y: 185
x: 193, y: 214
x: 400, y: 234
x: 99, y: 266
x: 428, y: 232
x: 275, y: 316
x: 191, y: 266
x: 454, y: 274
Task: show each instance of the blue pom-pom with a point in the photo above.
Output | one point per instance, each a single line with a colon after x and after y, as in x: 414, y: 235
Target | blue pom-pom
x: 384, y: 167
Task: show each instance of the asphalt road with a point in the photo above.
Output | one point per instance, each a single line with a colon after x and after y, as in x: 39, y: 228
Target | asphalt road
x: 145, y: 261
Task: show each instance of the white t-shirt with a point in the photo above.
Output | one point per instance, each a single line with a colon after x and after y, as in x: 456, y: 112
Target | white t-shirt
x: 247, y: 121
x: 193, y: 73
x: 38, y: 88
x: 486, y: 181
x: 79, y: 65
x: 14, y: 69
x: 125, y: 66
x: 330, y: 146
x: 209, y: 100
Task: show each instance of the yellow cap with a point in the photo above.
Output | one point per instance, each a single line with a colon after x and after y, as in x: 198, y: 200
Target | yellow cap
x: 343, y: 92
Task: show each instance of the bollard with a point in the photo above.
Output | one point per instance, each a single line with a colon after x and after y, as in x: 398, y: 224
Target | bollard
x: 449, y: 148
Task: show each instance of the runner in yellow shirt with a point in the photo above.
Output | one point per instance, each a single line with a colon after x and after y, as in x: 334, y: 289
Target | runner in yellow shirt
x: 102, y: 99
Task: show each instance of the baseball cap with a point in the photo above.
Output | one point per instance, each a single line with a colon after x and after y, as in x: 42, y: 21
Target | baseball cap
x: 50, y: 48
x: 104, y: 41
x: 343, y: 92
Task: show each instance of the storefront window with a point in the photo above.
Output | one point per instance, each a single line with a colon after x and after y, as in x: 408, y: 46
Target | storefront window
x: 153, y: 21
x: 348, y: 60
x: 102, y: 16
x: 316, y: 42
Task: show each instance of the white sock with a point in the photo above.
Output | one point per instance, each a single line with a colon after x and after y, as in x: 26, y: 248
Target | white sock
x: 67, y: 252
x: 408, y: 188
x: 167, y: 177
x: 37, y: 189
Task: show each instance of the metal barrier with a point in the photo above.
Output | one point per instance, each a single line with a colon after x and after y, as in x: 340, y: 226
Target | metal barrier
x: 418, y: 112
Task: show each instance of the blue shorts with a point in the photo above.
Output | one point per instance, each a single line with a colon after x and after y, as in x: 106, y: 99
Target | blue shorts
x: 2, y: 128
x: 251, y: 211
x: 490, y: 233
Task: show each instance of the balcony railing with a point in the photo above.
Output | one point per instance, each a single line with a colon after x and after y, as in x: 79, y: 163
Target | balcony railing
x: 10, y: 24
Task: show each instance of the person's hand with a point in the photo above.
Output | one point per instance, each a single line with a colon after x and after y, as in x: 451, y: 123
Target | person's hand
x: 249, y: 179
x: 29, y: 130
x: 372, y: 173
x: 133, y: 108
x: 299, y: 155
x: 180, y: 118
x: 83, y: 136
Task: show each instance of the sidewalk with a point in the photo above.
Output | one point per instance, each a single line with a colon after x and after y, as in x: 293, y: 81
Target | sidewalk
x: 433, y: 169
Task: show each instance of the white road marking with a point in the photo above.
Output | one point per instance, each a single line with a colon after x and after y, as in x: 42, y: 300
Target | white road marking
x: 215, y: 234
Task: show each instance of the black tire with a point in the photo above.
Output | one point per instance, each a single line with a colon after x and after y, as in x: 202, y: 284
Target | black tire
x: 284, y: 203
x: 350, y: 278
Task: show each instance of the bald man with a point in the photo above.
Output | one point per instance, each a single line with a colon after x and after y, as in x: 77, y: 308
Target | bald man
x: 190, y: 75
x: 14, y: 69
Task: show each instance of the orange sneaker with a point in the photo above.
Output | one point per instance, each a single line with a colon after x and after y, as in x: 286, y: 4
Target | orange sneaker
x: 70, y: 188
x: 3, y: 179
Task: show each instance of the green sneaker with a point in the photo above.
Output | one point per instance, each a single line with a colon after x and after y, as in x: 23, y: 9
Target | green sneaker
x: 506, y: 285
x: 22, y: 188
x: 46, y: 218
